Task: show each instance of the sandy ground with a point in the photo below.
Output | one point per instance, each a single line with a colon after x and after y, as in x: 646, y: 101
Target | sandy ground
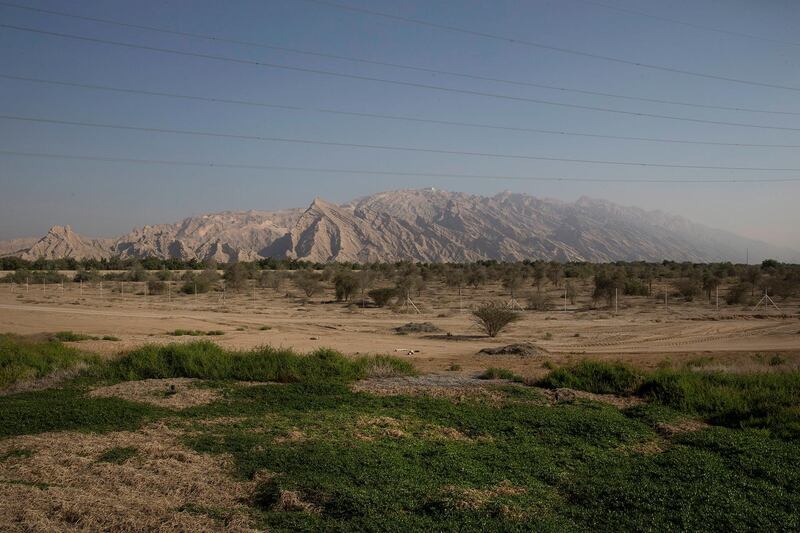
x: 643, y: 331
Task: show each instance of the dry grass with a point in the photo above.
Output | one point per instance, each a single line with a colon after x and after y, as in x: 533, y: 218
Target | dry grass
x: 294, y: 435
x: 570, y: 395
x: 290, y: 501
x: 371, y: 428
x: 680, y: 426
x: 160, y: 392
x: 471, y: 499
x: 454, y: 389
x: 61, y: 486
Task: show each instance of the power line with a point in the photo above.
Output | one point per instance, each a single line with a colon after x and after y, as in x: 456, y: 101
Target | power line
x: 387, y: 116
x: 328, y: 170
x: 386, y: 147
x: 533, y: 44
x: 218, y: 39
x: 688, y: 24
x: 392, y: 82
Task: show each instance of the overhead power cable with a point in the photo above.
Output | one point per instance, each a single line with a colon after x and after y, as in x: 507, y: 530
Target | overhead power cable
x: 406, y: 118
x: 416, y: 68
x: 328, y: 170
x: 386, y: 147
x: 392, y: 82
x: 534, y: 44
x: 689, y: 24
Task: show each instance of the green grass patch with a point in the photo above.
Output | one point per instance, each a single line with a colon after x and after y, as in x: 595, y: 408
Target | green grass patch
x: 25, y: 359
x: 118, y: 454
x: 767, y: 400
x: 206, y: 360
x: 69, y: 409
x: 500, y: 373
x: 71, y: 336
x: 761, y: 400
x: 520, y: 466
x: 594, y: 376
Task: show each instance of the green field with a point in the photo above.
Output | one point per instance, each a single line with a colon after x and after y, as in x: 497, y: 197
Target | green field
x: 701, y: 451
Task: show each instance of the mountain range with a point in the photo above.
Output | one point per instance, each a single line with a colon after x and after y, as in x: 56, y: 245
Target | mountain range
x: 427, y: 225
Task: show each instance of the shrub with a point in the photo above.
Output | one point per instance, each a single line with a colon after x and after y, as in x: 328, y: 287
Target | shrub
x: 500, y: 373
x: 155, y: 286
x: 382, y: 297
x: 594, y: 376
x: 308, y: 282
x: 739, y: 294
x: 71, y: 336
x: 539, y: 302
x: 345, y: 284
x: 22, y: 359
x: 206, y: 360
x: 493, y: 317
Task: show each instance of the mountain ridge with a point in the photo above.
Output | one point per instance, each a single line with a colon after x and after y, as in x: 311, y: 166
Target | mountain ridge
x: 428, y: 225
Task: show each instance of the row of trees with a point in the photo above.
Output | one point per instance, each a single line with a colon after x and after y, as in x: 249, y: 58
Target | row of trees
x: 384, y: 283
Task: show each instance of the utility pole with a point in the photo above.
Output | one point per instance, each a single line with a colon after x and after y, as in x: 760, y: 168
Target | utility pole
x: 565, y: 299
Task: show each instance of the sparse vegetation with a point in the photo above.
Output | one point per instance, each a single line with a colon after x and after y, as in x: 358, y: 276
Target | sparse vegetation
x: 71, y: 336
x: 500, y: 373
x: 195, y: 333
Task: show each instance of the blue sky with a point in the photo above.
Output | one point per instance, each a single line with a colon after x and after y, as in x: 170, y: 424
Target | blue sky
x: 106, y: 199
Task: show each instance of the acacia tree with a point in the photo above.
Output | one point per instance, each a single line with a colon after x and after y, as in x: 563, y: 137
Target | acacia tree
x: 308, y: 282
x: 345, y: 284
x: 493, y: 317
x: 554, y: 273
x: 366, y: 280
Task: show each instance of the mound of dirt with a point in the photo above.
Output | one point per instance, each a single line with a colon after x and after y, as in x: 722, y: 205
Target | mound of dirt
x: 417, y: 327
x: 524, y: 349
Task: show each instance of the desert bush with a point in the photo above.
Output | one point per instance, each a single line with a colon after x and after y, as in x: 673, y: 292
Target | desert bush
x: 271, y: 279
x: 308, y: 282
x: 493, y: 317
x: 500, y: 373
x: 237, y: 274
x: 688, y: 289
x: 572, y: 292
x: 155, y: 286
x: 540, y: 302
x: 636, y: 287
x: 383, y: 296
x: 86, y: 276
x: 739, y: 294
x: 345, y: 284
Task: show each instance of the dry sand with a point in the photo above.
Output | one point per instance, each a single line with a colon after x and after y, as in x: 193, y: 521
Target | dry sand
x: 643, y: 332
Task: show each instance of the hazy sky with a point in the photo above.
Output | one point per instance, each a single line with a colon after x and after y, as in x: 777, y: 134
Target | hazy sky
x: 108, y: 198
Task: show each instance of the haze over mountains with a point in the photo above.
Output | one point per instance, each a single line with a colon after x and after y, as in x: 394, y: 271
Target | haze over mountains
x: 421, y: 225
